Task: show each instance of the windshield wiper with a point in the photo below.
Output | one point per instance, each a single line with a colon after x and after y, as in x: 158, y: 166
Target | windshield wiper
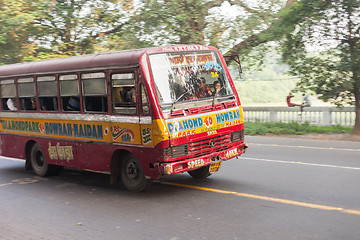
x: 173, y: 104
x: 213, y: 101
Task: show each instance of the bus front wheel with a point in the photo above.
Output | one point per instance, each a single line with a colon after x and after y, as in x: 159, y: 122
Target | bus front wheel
x: 200, y: 173
x: 132, y: 175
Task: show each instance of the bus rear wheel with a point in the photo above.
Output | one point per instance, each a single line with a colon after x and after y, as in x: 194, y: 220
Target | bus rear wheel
x: 39, y: 164
x: 132, y: 175
x: 200, y: 173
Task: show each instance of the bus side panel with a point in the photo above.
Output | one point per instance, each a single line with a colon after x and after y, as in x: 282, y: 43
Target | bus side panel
x: 12, y: 145
x: 59, y: 152
x: 94, y: 156
x: 81, y: 155
x: 55, y: 151
x: 97, y: 157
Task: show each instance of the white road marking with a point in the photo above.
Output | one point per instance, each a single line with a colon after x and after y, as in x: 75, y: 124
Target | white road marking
x: 301, y: 163
x: 292, y: 146
x: 5, y: 184
x: 13, y: 159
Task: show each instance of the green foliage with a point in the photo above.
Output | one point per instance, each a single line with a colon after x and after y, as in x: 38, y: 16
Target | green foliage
x: 294, y: 128
x: 170, y: 22
x: 256, y: 91
x: 29, y: 29
x: 270, y: 85
x: 323, y: 50
x: 75, y: 26
x: 78, y: 26
x: 16, y: 17
x: 320, y: 39
x: 32, y: 30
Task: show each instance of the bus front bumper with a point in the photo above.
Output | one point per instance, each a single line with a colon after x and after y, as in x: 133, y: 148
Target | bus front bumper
x: 169, y: 168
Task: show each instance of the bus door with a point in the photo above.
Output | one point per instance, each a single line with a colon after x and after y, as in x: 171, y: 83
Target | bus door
x: 145, y: 118
x: 125, y: 127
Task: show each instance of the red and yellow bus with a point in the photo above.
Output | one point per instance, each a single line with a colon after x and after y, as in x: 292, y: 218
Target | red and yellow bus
x: 135, y: 114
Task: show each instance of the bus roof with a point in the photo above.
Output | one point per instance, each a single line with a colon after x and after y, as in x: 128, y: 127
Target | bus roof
x: 125, y: 58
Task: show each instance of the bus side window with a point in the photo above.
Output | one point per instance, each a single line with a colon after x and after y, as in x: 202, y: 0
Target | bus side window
x: 69, y: 92
x: 8, y: 95
x: 47, y: 92
x: 124, y: 93
x: 94, y: 92
x: 144, y: 102
x: 26, y: 90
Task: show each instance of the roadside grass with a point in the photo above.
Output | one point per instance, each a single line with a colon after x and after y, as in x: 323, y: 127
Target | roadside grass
x: 292, y: 128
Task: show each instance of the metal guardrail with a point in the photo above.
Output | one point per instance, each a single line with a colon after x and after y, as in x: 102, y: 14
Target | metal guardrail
x: 326, y: 116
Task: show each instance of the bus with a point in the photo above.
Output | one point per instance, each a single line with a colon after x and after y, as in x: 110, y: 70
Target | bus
x: 134, y: 114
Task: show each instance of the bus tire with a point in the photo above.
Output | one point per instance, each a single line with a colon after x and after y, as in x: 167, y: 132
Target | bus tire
x: 200, y: 173
x: 38, y: 161
x: 132, y: 175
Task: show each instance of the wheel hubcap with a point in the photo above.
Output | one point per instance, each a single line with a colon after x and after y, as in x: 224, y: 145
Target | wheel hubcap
x: 39, y: 159
x: 132, y: 170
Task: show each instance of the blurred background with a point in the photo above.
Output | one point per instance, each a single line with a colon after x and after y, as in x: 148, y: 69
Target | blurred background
x: 304, y: 46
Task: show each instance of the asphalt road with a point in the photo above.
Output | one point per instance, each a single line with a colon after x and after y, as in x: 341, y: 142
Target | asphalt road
x: 282, y: 188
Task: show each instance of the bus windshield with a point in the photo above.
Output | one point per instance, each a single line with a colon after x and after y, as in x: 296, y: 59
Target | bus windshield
x: 189, y: 77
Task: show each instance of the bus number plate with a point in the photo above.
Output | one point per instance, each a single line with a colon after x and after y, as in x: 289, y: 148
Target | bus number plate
x: 215, y: 166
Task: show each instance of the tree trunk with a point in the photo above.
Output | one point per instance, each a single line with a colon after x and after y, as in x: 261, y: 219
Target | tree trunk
x: 354, y: 52
x: 356, y: 130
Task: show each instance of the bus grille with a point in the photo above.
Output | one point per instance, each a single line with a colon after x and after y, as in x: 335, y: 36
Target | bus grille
x: 209, y: 145
x: 176, y: 151
x: 237, y: 136
x: 204, y: 146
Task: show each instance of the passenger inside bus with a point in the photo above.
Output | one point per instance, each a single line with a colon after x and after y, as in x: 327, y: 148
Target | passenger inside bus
x: 128, y: 95
x: 95, y: 104
x: 11, y: 104
x: 73, y: 104
x: 217, y: 87
x: 47, y: 103
x: 124, y: 100
x: 203, y: 90
x: 27, y: 104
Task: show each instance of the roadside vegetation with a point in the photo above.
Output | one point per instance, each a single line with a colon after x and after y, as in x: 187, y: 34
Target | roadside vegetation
x: 294, y: 128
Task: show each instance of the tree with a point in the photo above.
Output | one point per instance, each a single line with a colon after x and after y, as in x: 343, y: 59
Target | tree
x: 16, y: 17
x: 74, y: 27
x: 170, y: 22
x: 323, y: 50
x: 264, y: 25
x: 70, y: 27
x: 219, y: 23
x: 35, y: 30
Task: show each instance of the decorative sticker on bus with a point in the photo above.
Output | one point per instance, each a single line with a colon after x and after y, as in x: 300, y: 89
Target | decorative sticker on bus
x: 20, y: 126
x: 191, y: 59
x: 55, y: 128
x: 78, y: 130
x: 196, y: 163
x: 184, y: 48
x: 58, y: 152
x: 206, y: 123
x: 212, y: 65
x: 122, y: 134
x: 106, y: 131
x: 231, y: 153
x: 146, y: 135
